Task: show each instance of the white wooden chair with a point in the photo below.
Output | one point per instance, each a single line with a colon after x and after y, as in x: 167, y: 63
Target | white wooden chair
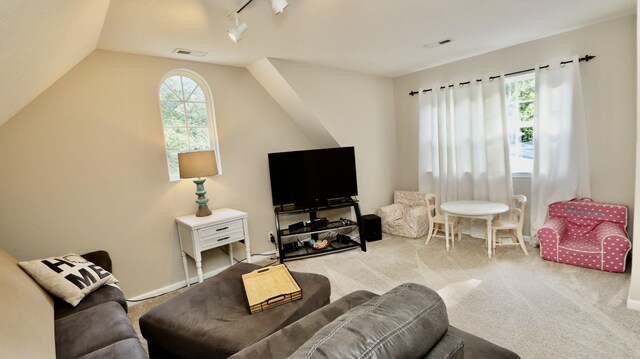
x: 436, y: 221
x: 511, y: 226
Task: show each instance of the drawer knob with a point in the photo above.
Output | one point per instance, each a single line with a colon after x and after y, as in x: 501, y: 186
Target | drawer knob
x: 221, y: 229
x: 223, y: 238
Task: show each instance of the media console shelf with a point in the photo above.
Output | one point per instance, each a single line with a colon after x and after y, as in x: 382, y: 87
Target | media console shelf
x: 294, y: 244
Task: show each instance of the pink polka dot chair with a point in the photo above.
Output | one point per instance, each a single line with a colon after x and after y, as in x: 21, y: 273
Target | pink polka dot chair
x: 588, y: 234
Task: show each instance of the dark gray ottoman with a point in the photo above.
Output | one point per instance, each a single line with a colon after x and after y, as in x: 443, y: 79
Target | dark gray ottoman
x: 212, y: 320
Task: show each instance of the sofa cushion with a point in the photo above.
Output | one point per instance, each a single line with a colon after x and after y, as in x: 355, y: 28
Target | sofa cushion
x: 27, y: 314
x: 104, y: 294
x: 405, y: 322
x: 284, y: 342
x: 93, y: 329
x: 69, y: 277
x: 127, y: 348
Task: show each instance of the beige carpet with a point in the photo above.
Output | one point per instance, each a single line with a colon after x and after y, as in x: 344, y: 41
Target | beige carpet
x: 536, y: 308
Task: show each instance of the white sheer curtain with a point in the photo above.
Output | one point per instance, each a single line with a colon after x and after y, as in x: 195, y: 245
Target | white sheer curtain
x: 464, y: 151
x: 561, y: 163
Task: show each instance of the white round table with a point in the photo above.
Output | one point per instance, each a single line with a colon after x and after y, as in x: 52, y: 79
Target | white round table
x: 473, y: 209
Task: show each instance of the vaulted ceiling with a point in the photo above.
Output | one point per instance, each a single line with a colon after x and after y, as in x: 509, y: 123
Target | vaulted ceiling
x: 40, y: 40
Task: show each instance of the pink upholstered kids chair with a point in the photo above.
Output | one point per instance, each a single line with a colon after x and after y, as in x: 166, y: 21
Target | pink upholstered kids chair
x: 586, y: 234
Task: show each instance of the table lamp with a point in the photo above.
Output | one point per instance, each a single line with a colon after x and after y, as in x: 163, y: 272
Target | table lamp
x: 197, y: 165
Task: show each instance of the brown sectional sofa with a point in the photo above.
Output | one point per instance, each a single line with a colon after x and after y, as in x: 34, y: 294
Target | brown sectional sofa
x: 36, y: 325
x: 410, y: 321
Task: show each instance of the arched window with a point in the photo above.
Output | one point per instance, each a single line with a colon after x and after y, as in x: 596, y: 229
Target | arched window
x: 188, y: 118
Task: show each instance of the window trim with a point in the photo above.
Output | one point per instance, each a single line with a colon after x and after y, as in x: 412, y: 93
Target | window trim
x: 211, y: 118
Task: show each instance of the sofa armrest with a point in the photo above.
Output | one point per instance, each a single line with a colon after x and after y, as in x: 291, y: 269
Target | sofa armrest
x: 614, y: 240
x: 476, y: 347
x: 608, y: 232
x: 100, y: 258
x: 391, y: 212
x: 104, y: 294
x: 551, y: 232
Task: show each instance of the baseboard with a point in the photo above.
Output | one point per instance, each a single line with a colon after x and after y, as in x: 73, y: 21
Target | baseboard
x: 633, y: 304
x: 171, y: 287
x: 257, y: 258
x: 193, y: 280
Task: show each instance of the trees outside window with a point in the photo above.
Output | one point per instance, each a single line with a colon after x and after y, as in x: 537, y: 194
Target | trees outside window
x: 188, y: 119
x: 520, y: 95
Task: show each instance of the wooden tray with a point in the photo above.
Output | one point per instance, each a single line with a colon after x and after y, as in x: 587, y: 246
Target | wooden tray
x: 270, y: 287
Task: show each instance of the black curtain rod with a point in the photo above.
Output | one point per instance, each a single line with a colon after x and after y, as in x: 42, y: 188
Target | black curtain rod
x: 586, y: 58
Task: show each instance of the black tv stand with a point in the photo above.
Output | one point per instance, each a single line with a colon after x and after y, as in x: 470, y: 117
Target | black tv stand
x: 294, y: 244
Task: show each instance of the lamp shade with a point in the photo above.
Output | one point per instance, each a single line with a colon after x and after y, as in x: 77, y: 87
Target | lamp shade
x: 197, y: 164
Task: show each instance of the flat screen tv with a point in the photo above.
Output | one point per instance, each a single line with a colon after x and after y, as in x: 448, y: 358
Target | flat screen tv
x: 312, y: 176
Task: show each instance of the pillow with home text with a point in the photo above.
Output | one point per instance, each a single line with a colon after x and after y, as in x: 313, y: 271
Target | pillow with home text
x: 69, y: 277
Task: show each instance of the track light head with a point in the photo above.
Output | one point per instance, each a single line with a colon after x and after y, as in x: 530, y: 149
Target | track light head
x: 278, y: 5
x: 235, y: 33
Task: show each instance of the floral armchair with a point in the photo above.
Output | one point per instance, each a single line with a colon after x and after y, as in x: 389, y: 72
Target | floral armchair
x: 408, y: 215
x: 586, y: 234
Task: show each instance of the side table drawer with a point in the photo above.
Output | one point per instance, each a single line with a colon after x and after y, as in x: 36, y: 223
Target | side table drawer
x: 221, y: 234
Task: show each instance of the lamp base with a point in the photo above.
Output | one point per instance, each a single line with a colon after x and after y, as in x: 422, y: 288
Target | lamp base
x: 203, y: 211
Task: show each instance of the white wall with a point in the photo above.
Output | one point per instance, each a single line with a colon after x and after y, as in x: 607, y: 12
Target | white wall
x: 609, y: 91
x: 83, y: 167
x: 357, y: 110
x: 634, y: 288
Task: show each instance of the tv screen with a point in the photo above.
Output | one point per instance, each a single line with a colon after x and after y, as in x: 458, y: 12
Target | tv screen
x: 305, y: 177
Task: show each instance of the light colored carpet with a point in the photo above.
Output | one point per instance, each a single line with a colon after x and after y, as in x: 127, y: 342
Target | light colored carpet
x: 536, y: 308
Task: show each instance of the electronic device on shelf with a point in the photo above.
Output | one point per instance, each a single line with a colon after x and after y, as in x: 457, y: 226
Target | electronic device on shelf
x: 318, y: 223
x: 313, y: 177
x: 297, y: 225
x: 308, y: 183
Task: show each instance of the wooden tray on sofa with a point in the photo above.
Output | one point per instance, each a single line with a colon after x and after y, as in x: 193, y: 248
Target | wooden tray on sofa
x: 270, y: 287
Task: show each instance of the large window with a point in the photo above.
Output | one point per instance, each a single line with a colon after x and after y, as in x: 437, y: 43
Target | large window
x: 521, y: 91
x: 187, y: 117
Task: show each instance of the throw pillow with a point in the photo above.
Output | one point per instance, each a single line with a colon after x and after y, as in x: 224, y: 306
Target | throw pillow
x: 69, y: 277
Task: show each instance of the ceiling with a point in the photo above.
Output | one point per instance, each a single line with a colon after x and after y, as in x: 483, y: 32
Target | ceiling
x: 40, y: 40
x: 381, y: 37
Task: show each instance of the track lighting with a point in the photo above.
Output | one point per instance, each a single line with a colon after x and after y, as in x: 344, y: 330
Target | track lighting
x: 236, y: 32
x: 278, y: 5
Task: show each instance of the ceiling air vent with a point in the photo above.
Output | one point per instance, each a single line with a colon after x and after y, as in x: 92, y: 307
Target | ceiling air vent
x: 189, y: 52
x: 437, y: 43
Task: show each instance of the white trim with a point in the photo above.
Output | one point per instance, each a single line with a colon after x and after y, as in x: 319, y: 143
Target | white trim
x: 258, y: 258
x: 633, y: 304
x: 172, y: 287
x: 193, y: 280
x: 213, y: 129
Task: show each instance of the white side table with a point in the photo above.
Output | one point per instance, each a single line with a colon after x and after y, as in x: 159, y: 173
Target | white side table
x: 198, y: 234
